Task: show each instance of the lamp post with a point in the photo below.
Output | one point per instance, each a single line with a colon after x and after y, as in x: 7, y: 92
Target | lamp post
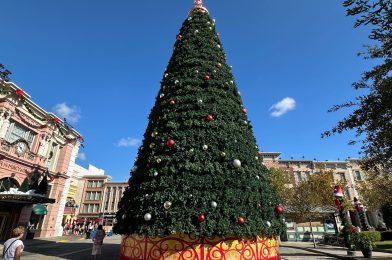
x: 362, y: 217
x: 339, y: 199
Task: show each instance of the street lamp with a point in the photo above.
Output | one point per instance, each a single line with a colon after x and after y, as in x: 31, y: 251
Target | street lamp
x: 339, y: 199
x: 362, y: 217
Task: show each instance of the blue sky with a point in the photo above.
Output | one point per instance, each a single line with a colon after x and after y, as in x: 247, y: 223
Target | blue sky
x: 100, y: 63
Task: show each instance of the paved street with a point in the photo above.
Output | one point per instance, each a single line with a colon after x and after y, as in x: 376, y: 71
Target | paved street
x: 69, y: 248
x: 73, y: 247
x: 288, y: 253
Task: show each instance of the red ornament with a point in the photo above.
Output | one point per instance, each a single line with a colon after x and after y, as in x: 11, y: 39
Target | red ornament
x: 241, y: 220
x: 201, y: 218
x: 243, y: 110
x: 279, y: 210
x: 210, y: 118
x: 179, y: 36
x: 172, y: 102
x: 170, y: 143
x: 129, y: 181
x: 81, y: 138
x: 238, y: 94
x: 260, y: 153
x: 19, y: 92
x: 51, y: 178
x: 206, y: 78
x: 55, y: 120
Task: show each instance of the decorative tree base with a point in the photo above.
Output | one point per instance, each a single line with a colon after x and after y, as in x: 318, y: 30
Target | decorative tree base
x: 181, y: 246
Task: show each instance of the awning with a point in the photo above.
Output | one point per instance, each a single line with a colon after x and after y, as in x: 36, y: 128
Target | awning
x: 40, y: 209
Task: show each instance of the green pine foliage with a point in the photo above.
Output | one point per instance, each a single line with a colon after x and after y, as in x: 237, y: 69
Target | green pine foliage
x: 5, y: 185
x: 189, y: 175
x: 25, y: 185
x: 43, y: 186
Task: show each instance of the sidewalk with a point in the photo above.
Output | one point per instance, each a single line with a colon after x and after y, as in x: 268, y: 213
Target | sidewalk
x: 334, y: 251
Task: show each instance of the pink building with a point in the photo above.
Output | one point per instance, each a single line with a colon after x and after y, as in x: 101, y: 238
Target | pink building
x: 33, y: 144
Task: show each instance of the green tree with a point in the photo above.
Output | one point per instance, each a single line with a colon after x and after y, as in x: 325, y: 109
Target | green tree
x: 25, y: 185
x: 371, y: 117
x: 4, y: 73
x: 312, y: 196
x: 280, y: 179
x: 375, y: 189
x: 198, y: 170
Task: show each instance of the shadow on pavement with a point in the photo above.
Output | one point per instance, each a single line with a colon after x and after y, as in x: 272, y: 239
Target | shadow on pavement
x: 68, y: 250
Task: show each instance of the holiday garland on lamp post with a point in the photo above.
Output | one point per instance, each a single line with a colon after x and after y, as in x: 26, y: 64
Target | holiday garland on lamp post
x: 362, y: 215
x: 339, y: 202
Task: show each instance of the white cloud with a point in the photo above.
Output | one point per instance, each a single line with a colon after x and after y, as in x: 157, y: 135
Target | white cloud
x: 128, y: 142
x: 72, y: 114
x: 82, y: 156
x: 282, y: 107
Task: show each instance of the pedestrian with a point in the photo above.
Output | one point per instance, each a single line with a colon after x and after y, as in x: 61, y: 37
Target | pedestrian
x: 13, y: 247
x: 98, y: 241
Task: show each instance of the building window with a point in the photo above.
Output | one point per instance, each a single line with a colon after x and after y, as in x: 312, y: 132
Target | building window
x: 107, y: 194
x: 342, y: 177
x: 93, y: 195
x: 298, y: 177
x: 307, y: 175
x: 113, y: 199
x: 358, y: 176
x: 52, y: 156
x: 94, y: 184
x: 17, y: 131
x: 90, y: 208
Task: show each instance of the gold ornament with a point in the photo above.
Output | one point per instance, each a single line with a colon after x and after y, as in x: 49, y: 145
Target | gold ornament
x: 223, y: 154
x: 152, y: 145
x: 154, y: 134
x: 159, y: 160
x: 220, y: 64
x: 256, y: 157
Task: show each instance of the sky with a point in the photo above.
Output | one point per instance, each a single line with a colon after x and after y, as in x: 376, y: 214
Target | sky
x: 99, y: 64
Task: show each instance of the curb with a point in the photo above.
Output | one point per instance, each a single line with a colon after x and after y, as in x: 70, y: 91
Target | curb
x: 323, y: 253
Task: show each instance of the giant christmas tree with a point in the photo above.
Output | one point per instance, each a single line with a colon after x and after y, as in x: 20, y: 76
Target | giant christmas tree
x: 198, y: 173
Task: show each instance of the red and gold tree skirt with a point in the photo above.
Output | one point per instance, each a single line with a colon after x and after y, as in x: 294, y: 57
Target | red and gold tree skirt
x: 187, y: 247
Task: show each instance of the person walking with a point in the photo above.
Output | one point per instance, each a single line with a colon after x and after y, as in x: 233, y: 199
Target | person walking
x: 13, y: 247
x: 98, y: 241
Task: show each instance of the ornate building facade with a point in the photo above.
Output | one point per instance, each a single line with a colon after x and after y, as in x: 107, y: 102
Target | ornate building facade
x: 34, y: 144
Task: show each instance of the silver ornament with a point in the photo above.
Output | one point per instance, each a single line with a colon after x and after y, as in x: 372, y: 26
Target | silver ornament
x: 196, y: 31
x: 123, y: 216
x: 147, y: 217
x: 197, y: 71
x: 208, y: 22
x: 218, y: 46
x: 236, y: 163
x: 189, y: 18
x: 167, y: 205
x: 134, y: 169
x: 205, y: 147
x: 214, y: 204
x: 268, y: 224
x: 176, y: 81
x: 258, y: 177
x: 191, y: 150
x: 232, y: 82
x: 155, y: 174
x: 200, y: 101
x: 161, y: 95
x: 166, y: 74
